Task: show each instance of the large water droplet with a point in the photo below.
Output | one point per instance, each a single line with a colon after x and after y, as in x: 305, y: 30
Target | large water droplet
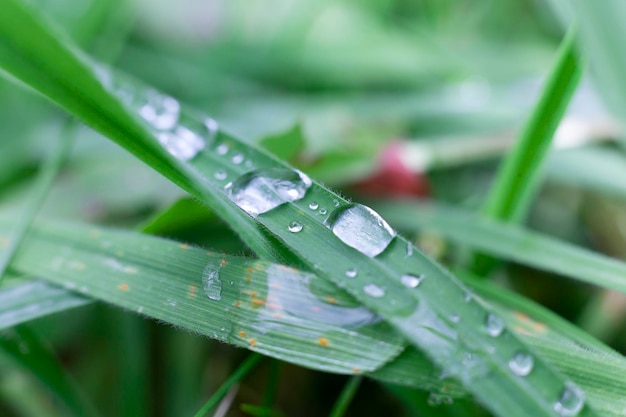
x: 374, y: 290
x: 351, y: 273
x: 361, y: 228
x: 521, y: 363
x: 494, y: 325
x: 160, y: 111
x: 570, y: 402
x: 412, y: 281
x: 313, y: 205
x: 211, y: 282
x: 181, y: 143
x: 295, y: 227
x: 262, y: 190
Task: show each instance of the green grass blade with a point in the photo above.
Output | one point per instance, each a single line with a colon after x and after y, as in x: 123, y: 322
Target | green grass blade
x: 518, y: 178
x: 346, y: 396
x: 40, y: 190
x: 30, y: 351
x: 237, y: 375
x: 509, y: 242
x: 433, y: 317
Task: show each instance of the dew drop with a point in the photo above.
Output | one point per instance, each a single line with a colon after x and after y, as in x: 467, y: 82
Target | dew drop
x: 374, y: 290
x: 351, y: 273
x: 237, y: 158
x: 570, y: 402
x: 212, y: 127
x: 295, y: 227
x: 160, y: 111
x: 409, y: 249
x: 211, y: 282
x: 181, y: 143
x: 521, y: 363
x: 313, y: 205
x: 220, y: 175
x: 221, y: 149
x: 412, y: 281
x: 361, y: 228
x: 323, y: 211
x: 248, y: 164
x: 494, y: 325
x: 467, y: 297
x: 262, y: 190
x: 336, y: 203
x: 454, y: 318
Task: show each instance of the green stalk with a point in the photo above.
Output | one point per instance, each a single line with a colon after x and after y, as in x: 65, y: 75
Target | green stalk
x: 239, y: 373
x: 519, y: 176
x: 346, y: 396
x: 41, y: 187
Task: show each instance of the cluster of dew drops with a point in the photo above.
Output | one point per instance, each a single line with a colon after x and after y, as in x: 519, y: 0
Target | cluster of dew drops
x: 356, y: 225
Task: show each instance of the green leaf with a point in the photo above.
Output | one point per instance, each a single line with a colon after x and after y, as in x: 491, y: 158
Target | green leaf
x: 286, y: 145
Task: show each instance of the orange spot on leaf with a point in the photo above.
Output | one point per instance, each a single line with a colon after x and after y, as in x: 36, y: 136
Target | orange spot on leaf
x: 192, y: 295
x: 322, y: 341
x: 356, y: 370
x: 123, y: 287
x: 331, y: 300
x: 258, y: 302
x: 242, y: 333
x: 237, y: 303
x: 223, y: 262
x: 249, y: 270
x: 184, y: 246
x: 252, y: 342
x: 192, y: 288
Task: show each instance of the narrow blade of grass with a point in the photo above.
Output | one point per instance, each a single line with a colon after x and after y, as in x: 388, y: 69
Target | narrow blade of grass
x: 346, y: 396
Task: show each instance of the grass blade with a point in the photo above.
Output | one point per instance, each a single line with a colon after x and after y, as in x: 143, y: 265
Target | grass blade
x: 345, y: 398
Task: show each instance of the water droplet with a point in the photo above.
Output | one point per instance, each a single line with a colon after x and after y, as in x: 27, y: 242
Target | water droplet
x: 211, y: 282
x: 212, y: 127
x: 248, y: 164
x: 323, y: 211
x: 237, y: 158
x: 412, y: 281
x: 262, y: 190
x: 409, y: 249
x: 221, y: 149
x: 361, y: 228
x: 313, y: 205
x: 467, y: 297
x: 295, y: 227
x: 351, y: 273
x: 220, y: 175
x: 160, y: 111
x: 521, y: 363
x: 336, y: 203
x: 571, y: 401
x: 374, y: 290
x: 454, y: 318
x: 181, y: 143
x: 494, y: 325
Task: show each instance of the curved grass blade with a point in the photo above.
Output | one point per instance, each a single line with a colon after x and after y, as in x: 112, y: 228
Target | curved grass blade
x: 27, y: 349
x: 508, y: 242
x: 433, y: 317
x: 411, y: 368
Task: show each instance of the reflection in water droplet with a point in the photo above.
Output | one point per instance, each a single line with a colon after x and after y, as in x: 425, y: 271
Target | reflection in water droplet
x: 211, y: 282
x: 220, y: 175
x: 521, y: 363
x: 313, y: 205
x: 374, y: 290
x: 295, y: 227
x: 182, y: 143
x: 570, y: 402
x: 411, y: 281
x: 361, y: 228
x: 323, y: 211
x: 160, y: 111
x: 351, y: 273
x: 494, y: 325
x: 221, y: 149
x: 237, y: 158
x: 262, y: 190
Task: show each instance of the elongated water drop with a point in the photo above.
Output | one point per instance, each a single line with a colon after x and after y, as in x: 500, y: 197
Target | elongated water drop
x: 374, y: 290
x: 570, y: 402
x: 361, y: 228
x: 262, y: 190
x: 521, y: 363
x: 412, y: 281
x: 295, y: 227
x: 211, y: 282
x: 409, y: 249
x: 494, y: 325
